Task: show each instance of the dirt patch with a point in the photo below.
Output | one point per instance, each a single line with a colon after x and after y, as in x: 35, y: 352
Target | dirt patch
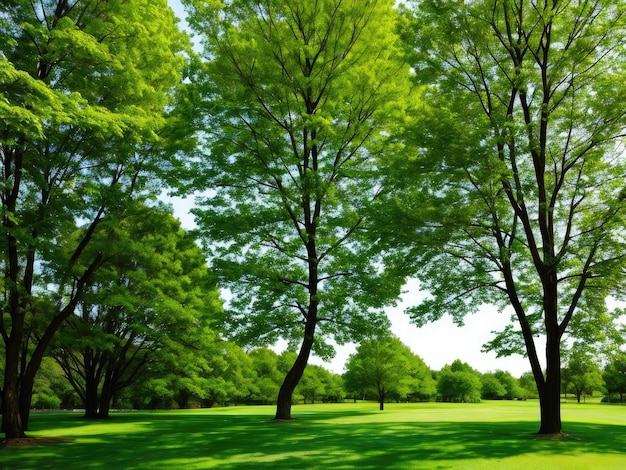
x: 33, y: 441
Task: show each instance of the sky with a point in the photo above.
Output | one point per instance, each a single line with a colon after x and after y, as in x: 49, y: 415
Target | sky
x: 438, y: 343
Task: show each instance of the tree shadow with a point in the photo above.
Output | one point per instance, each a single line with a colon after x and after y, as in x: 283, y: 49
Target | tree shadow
x: 333, y: 439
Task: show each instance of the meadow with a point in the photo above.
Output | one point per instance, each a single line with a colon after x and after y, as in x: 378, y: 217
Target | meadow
x: 487, y: 435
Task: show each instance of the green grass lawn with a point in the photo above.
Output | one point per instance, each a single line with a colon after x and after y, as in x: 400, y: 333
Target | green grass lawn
x: 487, y: 435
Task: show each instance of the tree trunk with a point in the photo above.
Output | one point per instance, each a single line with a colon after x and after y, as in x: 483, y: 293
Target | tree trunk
x: 106, y: 396
x: 11, y: 418
x: 91, y: 396
x: 12, y: 424
x: 105, y: 406
x: 550, y: 393
x: 283, y: 404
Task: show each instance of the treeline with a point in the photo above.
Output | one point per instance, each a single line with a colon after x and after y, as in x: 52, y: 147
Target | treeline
x: 381, y: 370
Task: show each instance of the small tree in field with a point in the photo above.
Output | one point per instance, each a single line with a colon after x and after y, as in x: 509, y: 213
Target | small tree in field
x: 581, y: 374
x: 386, y: 367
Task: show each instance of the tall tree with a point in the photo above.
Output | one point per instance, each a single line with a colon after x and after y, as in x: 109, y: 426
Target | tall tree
x: 85, y: 86
x: 386, y: 367
x: 525, y: 145
x: 302, y: 98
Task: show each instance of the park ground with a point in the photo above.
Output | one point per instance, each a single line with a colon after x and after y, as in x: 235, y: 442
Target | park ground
x: 486, y: 435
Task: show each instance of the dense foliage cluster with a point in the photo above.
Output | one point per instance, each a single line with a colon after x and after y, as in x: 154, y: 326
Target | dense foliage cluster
x: 376, y: 372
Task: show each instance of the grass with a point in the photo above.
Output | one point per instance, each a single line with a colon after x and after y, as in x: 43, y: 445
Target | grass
x: 488, y: 435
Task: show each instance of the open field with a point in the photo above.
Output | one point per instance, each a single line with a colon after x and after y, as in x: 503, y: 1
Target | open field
x: 488, y: 435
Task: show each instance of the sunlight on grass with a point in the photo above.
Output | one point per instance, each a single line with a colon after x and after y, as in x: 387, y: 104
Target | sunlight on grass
x: 488, y: 435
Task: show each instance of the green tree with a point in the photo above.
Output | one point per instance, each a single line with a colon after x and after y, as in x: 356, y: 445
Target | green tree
x: 52, y: 390
x: 268, y: 376
x: 302, y: 99
x: 524, y: 154
x: 491, y: 387
x: 155, y: 294
x: 313, y: 383
x: 581, y: 373
x: 528, y: 385
x: 84, y: 92
x: 510, y: 384
x: 614, y: 376
x: 458, y: 382
x: 384, y: 368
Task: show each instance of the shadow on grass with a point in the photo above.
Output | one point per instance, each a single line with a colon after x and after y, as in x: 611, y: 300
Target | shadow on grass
x: 316, y: 440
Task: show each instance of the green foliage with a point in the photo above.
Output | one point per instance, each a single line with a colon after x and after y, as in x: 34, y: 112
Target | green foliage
x: 581, y: 373
x: 528, y: 385
x: 614, y: 376
x: 386, y: 368
x: 491, y: 388
x: 299, y: 101
x: 154, y: 300
x: 458, y: 382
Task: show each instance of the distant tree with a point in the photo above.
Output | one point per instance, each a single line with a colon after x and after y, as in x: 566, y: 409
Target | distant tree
x: 334, y: 389
x: 384, y: 368
x: 458, y: 382
x: 491, y: 387
x: 313, y: 383
x: 267, y: 376
x: 302, y: 99
x: 511, y: 385
x: 52, y: 390
x: 581, y: 374
x: 528, y: 385
x: 614, y: 376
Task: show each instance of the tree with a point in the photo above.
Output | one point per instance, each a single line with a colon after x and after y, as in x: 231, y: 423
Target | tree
x: 386, y: 367
x: 524, y: 153
x: 154, y: 296
x: 458, y: 382
x: 312, y: 384
x: 510, y: 384
x: 581, y: 373
x: 491, y: 387
x: 302, y: 99
x: 52, y: 390
x: 614, y: 376
x: 85, y: 87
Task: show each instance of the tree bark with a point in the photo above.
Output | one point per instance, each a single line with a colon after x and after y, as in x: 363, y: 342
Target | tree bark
x: 12, y: 424
x: 550, y: 393
x: 285, y: 394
